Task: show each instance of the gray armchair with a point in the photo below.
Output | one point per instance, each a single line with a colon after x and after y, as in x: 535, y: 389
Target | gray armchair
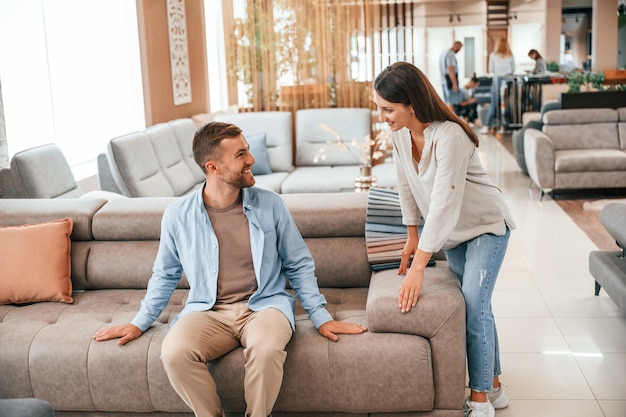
x: 43, y: 172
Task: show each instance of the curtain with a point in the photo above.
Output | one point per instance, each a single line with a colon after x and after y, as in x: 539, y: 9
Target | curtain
x: 294, y: 54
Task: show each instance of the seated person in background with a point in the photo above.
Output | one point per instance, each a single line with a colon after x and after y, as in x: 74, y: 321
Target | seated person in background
x: 466, y: 109
x: 540, y: 63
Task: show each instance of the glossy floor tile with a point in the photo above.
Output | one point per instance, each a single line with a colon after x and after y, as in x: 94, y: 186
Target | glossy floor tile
x: 563, y: 350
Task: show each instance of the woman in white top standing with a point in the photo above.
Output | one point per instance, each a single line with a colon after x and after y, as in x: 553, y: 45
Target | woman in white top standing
x: 441, y: 178
x: 501, y: 63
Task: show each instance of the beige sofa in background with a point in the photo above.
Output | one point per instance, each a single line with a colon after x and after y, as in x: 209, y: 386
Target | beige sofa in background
x: 406, y: 364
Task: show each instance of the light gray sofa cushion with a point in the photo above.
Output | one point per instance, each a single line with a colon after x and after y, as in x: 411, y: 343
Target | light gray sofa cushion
x: 156, y: 162
x: 582, y: 129
x: 335, y: 179
x: 135, y: 168
x: 349, y: 123
x: 171, y: 159
x: 184, y: 129
x: 277, y: 126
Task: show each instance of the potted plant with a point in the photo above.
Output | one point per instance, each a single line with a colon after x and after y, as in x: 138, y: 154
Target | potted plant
x: 612, y: 97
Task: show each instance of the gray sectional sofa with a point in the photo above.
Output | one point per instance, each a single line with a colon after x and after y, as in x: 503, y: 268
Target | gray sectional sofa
x: 609, y: 267
x: 578, y: 149
x: 406, y: 364
x: 158, y: 162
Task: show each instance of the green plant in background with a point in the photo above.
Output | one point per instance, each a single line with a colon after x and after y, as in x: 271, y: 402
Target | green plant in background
x: 596, y: 79
x: 552, y: 66
x: 574, y: 80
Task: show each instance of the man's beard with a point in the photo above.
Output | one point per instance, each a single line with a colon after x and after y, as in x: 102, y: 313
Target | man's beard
x: 237, y: 180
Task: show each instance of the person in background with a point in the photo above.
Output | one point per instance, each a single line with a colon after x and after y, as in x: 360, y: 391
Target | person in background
x: 238, y: 245
x: 540, y: 63
x: 449, y: 71
x: 441, y: 178
x: 501, y: 63
x: 466, y: 109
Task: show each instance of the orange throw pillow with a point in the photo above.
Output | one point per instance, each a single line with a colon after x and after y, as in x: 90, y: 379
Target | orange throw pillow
x: 35, y: 262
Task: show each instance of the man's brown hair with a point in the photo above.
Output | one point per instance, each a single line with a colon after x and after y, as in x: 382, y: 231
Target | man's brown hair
x: 207, y: 141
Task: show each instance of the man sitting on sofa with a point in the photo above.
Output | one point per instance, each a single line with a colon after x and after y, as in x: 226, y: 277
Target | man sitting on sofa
x: 236, y: 244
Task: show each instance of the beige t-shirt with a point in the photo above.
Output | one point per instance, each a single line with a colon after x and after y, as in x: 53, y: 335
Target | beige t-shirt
x: 236, y: 280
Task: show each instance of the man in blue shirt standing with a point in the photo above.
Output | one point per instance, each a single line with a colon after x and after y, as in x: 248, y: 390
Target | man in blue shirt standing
x: 449, y: 71
x: 236, y: 244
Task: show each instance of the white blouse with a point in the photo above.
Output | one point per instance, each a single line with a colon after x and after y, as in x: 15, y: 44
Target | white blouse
x: 449, y: 187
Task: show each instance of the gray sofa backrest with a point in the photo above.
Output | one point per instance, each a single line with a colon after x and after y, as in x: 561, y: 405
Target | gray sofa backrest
x: 582, y: 128
x: 184, y: 131
x: 155, y: 162
x: 114, y: 243
x: 350, y: 123
x: 39, y: 172
x: 277, y: 126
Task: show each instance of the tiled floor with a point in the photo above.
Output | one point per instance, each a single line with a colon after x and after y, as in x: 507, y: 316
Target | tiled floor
x: 563, y: 350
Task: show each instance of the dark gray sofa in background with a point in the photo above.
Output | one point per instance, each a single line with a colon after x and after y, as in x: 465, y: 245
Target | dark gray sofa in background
x: 608, y: 268
x: 406, y: 365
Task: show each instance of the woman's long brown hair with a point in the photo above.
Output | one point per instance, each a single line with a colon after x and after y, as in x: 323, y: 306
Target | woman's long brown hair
x: 404, y: 83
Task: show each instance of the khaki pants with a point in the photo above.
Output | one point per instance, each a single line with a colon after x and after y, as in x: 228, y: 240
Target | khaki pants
x: 203, y: 336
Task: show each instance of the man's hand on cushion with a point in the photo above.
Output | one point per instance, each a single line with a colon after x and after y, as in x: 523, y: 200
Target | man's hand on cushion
x: 125, y: 332
x: 332, y: 328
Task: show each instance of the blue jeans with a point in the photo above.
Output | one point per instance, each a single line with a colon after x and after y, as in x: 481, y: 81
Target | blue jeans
x: 476, y: 263
x: 494, y: 103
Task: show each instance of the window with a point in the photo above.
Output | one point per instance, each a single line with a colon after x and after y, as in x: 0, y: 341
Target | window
x: 74, y: 77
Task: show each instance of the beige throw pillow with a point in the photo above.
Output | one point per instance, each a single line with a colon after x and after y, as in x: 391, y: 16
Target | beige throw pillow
x: 35, y: 262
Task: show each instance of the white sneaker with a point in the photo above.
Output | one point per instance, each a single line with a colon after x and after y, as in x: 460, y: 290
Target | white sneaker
x: 476, y: 409
x: 484, y: 129
x: 498, y: 398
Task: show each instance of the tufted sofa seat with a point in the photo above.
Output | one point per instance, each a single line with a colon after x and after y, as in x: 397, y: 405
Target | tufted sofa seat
x: 406, y: 365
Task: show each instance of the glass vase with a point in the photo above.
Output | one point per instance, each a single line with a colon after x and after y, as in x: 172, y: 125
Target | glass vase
x: 365, y: 180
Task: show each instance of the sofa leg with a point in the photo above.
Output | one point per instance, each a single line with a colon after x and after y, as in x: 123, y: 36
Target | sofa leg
x: 597, y: 288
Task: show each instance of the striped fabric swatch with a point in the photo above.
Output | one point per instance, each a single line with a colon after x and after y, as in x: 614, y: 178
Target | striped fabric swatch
x: 385, y: 235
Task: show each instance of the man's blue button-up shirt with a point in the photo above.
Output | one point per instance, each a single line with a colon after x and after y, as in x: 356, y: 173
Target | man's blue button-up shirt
x: 188, y: 243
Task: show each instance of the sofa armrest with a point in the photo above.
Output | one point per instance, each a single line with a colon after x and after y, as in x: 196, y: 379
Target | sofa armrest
x: 613, y: 218
x: 438, y: 316
x: 539, y: 155
x: 439, y: 299
x: 105, y: 177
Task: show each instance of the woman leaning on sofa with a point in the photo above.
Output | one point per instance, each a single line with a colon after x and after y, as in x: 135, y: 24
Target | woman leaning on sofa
x: 441, y: 178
